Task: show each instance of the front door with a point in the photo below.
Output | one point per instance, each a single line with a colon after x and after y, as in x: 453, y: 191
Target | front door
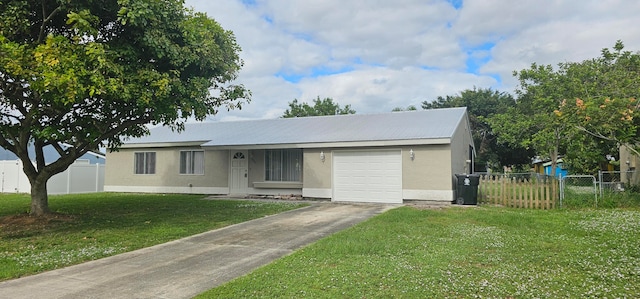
x: 239, y: 181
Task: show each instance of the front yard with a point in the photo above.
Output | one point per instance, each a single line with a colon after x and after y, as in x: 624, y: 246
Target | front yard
x: 487, y: 252
x: 484, y: 252
x: 91, y: 226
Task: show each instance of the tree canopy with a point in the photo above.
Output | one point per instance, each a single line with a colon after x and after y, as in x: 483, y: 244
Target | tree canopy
x: 320, y: 107
x: 87, y: 73
x: 409, y: 108
x: 581, y: 109
x: 482, y: 104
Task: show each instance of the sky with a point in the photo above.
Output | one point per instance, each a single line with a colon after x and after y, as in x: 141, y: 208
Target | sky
x: 376, y: 55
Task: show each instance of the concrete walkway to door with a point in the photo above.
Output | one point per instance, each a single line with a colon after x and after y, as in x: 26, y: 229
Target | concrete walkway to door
x: 189, y: 266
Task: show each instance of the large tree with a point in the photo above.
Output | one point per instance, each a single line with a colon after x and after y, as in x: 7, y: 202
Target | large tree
x: 320, y: 107
x: 87, y: 73
x: 583, y: 110
x: 482, y: 104
x: 605, y: 110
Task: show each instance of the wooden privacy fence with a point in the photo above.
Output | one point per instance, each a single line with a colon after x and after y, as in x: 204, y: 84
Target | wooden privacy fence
x: 530, y: 191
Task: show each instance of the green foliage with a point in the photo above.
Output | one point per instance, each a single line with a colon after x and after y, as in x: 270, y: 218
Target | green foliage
x: 482, y: 105
x: 409, y: 108
x: 581, y: 198
x: 532, y: 123
x: 88, y: 73
x: 320, y: 107
x: 460, y: 253
x: 583, y: 110
x: 92, y: 226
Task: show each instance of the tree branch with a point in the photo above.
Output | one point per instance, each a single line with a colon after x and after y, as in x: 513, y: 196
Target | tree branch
x: 45, y: 20
x: 599, y: 135
x: 58, y: 149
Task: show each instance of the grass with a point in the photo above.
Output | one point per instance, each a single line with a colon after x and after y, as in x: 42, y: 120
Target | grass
x: 484, y: 252
x: 91, y: 226
x: 580, y: 199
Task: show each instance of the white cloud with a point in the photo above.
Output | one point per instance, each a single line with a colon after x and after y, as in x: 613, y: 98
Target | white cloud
x: 377, y: 55
x: 380, y: 89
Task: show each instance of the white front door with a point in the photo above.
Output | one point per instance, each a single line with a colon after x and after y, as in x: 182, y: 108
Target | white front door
x: 239, y: 178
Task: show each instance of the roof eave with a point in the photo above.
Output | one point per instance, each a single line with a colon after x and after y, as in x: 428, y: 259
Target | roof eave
x: 403, y: 142
x: 164, y: 144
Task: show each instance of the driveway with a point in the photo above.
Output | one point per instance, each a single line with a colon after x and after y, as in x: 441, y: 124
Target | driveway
x: 189, y: 266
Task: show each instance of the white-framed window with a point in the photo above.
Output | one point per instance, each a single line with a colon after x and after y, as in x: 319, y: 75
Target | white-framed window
x: 283, y: 165
x: 144, y: 163
x: 191, y: 162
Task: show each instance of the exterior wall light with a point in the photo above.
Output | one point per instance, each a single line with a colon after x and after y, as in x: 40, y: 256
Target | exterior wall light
x: 322, y: 156
x: 412, y: 155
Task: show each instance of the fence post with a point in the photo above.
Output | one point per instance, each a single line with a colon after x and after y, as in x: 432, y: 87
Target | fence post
x: 69, y: 170
x: 561, y: 191
x: 547, y: 197
x: 97, y: 177
x: 600, y: 182
x: 3, y: 167
x: 503, y: 190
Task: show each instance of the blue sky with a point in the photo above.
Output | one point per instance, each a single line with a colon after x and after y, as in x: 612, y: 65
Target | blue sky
x: 378, y: 55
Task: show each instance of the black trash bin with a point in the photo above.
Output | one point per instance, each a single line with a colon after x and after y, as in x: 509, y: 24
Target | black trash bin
x: 467, y: 189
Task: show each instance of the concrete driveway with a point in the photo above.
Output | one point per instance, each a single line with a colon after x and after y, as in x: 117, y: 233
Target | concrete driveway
x: 189, y: 266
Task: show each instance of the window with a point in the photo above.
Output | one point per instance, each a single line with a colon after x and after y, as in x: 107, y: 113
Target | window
x: 145, y: 163
x: 192, y: 162
x: 283, y: 165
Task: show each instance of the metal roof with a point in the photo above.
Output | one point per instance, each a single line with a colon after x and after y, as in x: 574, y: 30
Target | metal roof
x: 408, y: 125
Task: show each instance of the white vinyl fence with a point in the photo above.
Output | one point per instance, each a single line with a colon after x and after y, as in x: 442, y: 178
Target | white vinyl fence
x: 80, y: 177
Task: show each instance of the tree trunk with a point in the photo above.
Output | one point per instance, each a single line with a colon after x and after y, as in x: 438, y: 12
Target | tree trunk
x: 554, y: 162
x: 39, y: 197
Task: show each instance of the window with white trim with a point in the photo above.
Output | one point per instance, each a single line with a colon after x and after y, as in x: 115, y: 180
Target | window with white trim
x: 144, y: 163
x: 191, y: 162
x: 283, y: 165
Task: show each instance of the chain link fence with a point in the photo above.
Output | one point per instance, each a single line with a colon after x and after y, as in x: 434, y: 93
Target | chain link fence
x: 578, y: 190
x: 615, y: 181
x: 619, y: 188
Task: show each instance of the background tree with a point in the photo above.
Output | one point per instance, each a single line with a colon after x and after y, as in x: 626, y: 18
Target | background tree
x: 532, y: 123
x: 86, y: 73
x: 320, y: 107
x: 409, y: 108
x: 483, y: 104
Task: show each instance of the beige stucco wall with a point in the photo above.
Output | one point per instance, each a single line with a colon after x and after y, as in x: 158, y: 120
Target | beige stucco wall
x: 460, y: 151
x: 429, y: 170
x: 634, y: 163
x: 120, y: 169
x: 316, y: 173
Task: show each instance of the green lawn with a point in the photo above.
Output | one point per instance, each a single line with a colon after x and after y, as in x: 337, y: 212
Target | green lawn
x: 92, y: 226
x: 484, y: 252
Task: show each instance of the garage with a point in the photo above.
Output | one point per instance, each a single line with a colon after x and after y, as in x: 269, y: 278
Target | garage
x: 367, y: 176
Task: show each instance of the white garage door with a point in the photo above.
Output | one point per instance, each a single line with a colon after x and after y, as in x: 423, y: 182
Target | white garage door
x: 367, y: 176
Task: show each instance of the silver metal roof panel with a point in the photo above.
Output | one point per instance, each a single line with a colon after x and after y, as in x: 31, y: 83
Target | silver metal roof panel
x: 425, y: 124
